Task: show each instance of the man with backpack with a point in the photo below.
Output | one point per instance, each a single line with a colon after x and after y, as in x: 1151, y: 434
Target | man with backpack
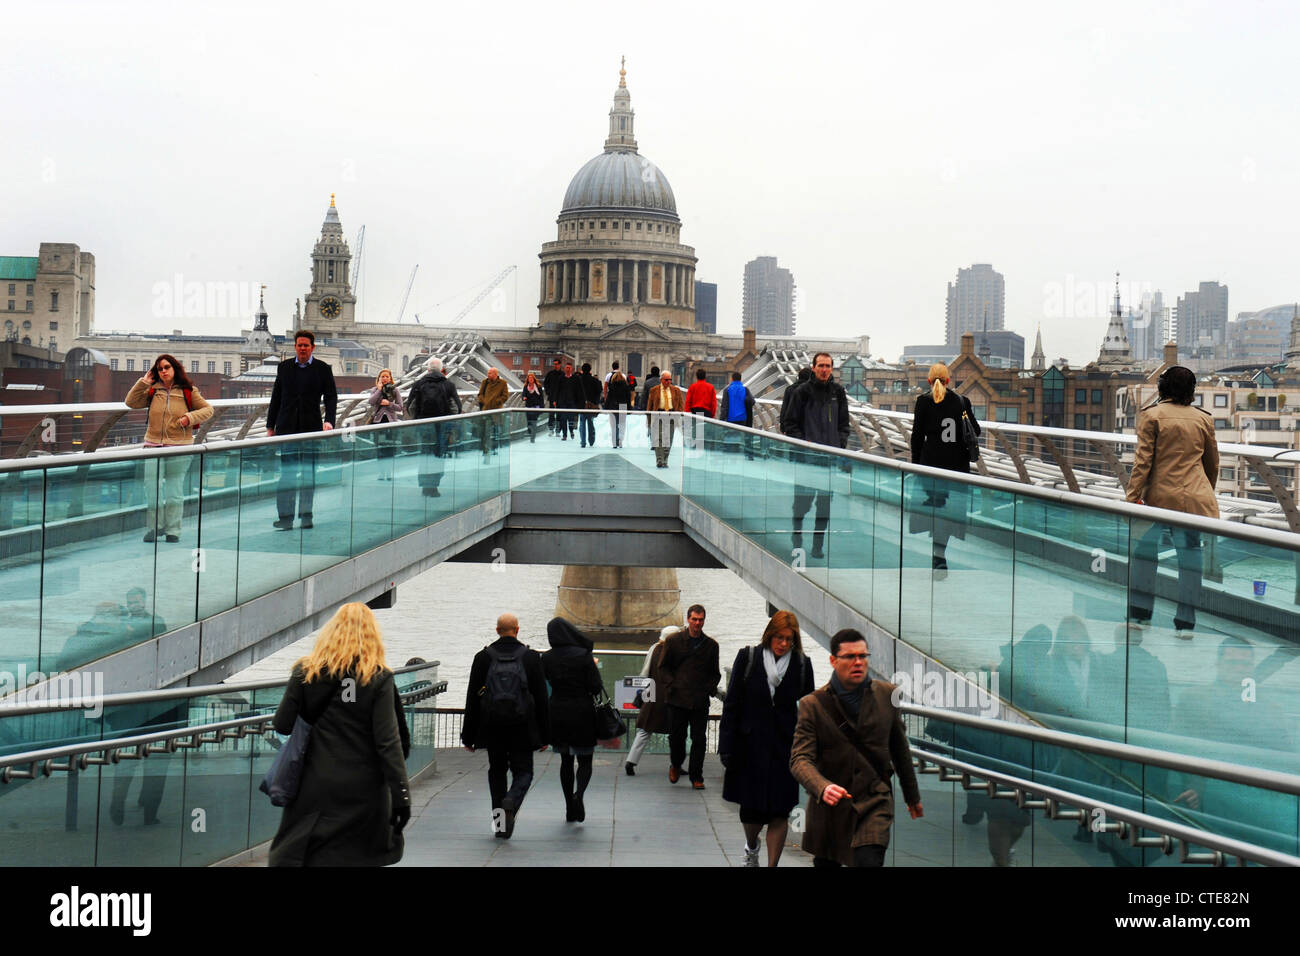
x: 433, y: 396
x: 506, y: 713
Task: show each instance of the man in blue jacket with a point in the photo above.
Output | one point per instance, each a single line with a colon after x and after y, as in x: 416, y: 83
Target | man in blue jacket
x: 737, y: 407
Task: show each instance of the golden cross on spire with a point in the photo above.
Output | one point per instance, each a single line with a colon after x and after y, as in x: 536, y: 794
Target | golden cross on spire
x: 622, y: 72
x: 331, y: 200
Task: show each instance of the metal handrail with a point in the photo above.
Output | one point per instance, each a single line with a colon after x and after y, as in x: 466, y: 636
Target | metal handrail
x: 1200, y: 766
x: 112, y: 751
x: 1217, y: 526
x: 167, y: 693
x: 1031, y: 795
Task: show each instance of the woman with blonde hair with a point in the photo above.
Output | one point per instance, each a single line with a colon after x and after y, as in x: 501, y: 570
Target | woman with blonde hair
x: 758, y: 719
x: 354, y: 797
x: 386, y: 406
x: 937, y: 442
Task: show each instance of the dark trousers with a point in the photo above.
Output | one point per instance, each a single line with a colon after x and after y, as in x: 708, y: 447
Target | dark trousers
x: 870, y: 855
x: 1146, y: 555
x: 679, y: 719
x: 566, y: 424
x: 297, y: 479
x: 587, y: 428
x: 616, y: 420
x: 520, y: 764
x: 803, y: 500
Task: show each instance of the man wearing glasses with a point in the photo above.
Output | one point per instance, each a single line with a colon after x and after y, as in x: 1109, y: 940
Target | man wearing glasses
x: 848, y: 743
x: 818, y: 412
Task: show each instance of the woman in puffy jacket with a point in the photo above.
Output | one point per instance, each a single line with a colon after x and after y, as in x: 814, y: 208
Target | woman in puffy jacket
x: 175, y: 409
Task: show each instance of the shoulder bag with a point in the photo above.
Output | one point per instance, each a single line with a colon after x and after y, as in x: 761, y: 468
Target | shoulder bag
x: 285, y: 774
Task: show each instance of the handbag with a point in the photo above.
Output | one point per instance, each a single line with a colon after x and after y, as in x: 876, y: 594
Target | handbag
x: 968, y: 437
x: 285, y: 773
x: 609, y: 725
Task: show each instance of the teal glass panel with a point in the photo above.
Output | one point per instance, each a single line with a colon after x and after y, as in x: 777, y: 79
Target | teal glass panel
x: 463, y: 465
x: 408, y: 502
x: 22, y: 516
x: 218, y: 791
x: 172, y: 601
x: 1220, y: 615
x: 887, y: 549
x: 142, y: 811
x: 1066, y: 665
x: 94, y: 555
x: 329, y: 540
x: 1262, y: 817
x: 850, y: 541
x: 268, y: 556
x: 218, y: 522
x: 50, y: 821
x: 371, y: 470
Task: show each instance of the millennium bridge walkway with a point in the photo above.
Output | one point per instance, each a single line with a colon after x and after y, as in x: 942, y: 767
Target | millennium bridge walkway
x: 1037, y: 698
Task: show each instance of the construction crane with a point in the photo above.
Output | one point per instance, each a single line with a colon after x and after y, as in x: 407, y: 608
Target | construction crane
x: 402, y: 308
x: 487, y: 290
x: 356, y: 267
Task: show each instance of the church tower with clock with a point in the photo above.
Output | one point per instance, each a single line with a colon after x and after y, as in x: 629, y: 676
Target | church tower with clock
x: 330, y: 307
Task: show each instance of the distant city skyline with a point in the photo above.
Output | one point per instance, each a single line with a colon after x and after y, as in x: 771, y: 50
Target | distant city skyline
x: 874, y: 160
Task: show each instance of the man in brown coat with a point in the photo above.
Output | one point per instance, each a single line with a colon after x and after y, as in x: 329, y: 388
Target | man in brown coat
x: 663, y: 400
x: 492, y: 393
x: 848, y: 743
x: 1176, y: 467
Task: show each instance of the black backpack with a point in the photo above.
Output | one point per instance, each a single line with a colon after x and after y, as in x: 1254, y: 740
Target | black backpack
x: 428, y: 399
x: 505, y: 700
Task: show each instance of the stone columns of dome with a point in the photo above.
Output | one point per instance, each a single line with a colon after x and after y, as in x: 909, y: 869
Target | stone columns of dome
x: 561, y: 294
x: 690, y: 287
x: 541, y: 287
x: 636, y: 277
x: 618, y: 295
x: 671, y: 297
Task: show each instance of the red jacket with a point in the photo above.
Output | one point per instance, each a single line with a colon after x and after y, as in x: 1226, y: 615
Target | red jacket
x: 702, y: 395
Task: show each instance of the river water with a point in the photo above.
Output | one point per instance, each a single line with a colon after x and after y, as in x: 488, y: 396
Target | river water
x: 449, y: 613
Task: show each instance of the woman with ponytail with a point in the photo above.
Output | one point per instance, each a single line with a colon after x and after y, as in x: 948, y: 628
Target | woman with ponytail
x: 937, y: 442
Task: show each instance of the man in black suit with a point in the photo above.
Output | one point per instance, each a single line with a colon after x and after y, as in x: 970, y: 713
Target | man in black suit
x: 301, y: 384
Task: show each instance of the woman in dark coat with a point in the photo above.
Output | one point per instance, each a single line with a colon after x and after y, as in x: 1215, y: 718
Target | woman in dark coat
x: 534, y: 397
x: 758, y: 718
x: 354, y: 797
x: 571, y: 671
x: 618, y: 398
x: 937, y: 442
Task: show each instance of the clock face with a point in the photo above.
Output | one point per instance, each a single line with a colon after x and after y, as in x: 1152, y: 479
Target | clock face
x: 329, y: 307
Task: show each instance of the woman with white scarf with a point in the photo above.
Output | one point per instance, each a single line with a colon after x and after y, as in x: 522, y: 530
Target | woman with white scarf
x: 758, y: 719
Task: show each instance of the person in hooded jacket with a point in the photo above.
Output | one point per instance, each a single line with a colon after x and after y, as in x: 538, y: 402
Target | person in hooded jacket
x: 574, y: 678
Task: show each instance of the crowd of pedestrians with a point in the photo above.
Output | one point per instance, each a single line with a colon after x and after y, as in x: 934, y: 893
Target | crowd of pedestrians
x: 842, y: 742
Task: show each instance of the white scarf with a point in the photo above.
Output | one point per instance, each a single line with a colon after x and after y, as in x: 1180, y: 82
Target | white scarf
x: 776, y: 668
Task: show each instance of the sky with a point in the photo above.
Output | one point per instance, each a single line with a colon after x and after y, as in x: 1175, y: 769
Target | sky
x: 873, y: 150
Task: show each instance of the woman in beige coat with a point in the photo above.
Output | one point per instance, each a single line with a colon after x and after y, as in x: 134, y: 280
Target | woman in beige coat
x: 175, y: 409
x: 1176, y: 467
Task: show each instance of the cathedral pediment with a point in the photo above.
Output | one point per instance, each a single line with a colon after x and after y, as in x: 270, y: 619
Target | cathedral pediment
x: 636, y: 330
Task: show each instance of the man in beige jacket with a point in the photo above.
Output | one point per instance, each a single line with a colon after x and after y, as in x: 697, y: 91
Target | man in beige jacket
x: 492, y: 394
x: 1176, y: 467
x: 666, y: 403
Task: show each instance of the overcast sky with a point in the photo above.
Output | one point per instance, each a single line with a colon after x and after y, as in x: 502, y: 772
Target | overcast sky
x: 873, y: 149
